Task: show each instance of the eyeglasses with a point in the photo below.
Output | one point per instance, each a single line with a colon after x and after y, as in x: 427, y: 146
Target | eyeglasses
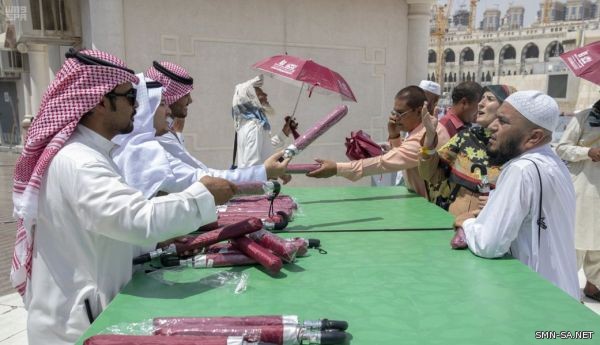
x: 398, y: 114
x: 130, y: 95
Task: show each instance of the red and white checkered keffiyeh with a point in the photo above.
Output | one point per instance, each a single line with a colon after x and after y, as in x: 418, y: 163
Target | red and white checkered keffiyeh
x: 76, y: 89
x: 172, y: 89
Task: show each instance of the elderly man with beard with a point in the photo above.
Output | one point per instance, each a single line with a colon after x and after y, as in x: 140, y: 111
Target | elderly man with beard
x: 531, y: 213
x: 252, y: 113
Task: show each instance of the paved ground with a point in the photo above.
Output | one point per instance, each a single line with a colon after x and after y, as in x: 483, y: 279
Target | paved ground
x: 7, y: 224
x: 12, y: 314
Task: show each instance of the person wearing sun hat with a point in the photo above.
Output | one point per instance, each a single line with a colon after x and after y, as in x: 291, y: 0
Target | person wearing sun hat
x: 531, y: 213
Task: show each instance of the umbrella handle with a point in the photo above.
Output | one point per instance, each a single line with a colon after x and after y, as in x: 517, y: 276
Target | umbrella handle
x: 297, y: 100
x: 312, y: 88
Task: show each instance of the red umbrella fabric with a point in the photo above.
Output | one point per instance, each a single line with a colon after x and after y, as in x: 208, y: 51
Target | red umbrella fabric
x: 584, y: 62
x: 290, y: 68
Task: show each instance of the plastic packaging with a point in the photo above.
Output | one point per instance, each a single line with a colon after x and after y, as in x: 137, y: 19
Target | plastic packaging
x: 165, y: 324
x: 316, y: 131
x: 226, y: 259
x: 254, y: 250
x: 302, y: 168
x: 239, y: 228
x: 284, y: 249
x: 269, y: 188
x: 242, y: 330
x: 237, y: 280
x: 119, y: 339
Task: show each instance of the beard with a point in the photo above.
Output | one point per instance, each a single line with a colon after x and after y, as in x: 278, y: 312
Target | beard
x: 129, y: 127
x: 505, y: 152
x: 269, y: 110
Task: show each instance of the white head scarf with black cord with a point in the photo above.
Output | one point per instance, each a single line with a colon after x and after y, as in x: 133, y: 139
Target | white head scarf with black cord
x: 142, y: 160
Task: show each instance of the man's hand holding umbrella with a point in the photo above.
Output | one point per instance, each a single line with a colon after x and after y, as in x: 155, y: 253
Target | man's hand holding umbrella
x: 275, y: 168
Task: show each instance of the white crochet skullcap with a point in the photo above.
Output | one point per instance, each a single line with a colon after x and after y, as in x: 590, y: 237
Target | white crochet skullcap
x: 431, y: 86
x: 537, y: 107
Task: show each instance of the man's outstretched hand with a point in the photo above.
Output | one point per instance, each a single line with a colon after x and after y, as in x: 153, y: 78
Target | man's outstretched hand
x: 327, y: 169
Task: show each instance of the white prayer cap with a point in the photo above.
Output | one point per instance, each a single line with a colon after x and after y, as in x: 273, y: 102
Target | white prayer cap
x: 537, y: 107
x: 431, y: 86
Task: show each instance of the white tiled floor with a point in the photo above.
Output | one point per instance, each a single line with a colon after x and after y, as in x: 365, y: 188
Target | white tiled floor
x: 13, y: 316
x: 12, y: 320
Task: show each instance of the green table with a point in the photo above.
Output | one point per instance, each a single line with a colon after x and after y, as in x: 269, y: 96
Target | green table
x: 393, y: 287
x: 363, y: 209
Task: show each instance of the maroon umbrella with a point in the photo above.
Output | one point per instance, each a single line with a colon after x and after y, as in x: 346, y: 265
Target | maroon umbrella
x: 584, y: 62
x: 300, y: 71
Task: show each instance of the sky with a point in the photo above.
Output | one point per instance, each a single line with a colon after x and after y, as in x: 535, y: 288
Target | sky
x: 531, y: 7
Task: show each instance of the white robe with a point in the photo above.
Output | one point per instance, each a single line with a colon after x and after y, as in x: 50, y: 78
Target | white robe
x: 255, y: 144
x: 88, y: 222
x: 509, y: 220
x: 184, y: 165
x: 573, y: 147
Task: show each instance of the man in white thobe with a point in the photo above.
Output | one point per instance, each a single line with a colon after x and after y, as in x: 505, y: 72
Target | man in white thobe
x: 177, y: 87
x: 78, y: 220
x: 145, y: 163
x: 580, y: 148
x: 531, y: 213
x: 252, y: 113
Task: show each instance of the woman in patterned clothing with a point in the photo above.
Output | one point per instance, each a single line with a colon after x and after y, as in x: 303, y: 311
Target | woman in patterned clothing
x: 458, y: 173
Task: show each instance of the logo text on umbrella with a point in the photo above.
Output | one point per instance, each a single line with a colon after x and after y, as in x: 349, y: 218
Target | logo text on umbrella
x: 578, y: 61
x: 284, y: 67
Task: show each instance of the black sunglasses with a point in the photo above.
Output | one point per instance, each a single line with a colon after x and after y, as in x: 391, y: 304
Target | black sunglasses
x: 130, y: 95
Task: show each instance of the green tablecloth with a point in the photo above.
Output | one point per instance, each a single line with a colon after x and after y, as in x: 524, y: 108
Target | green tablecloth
x: 394, y: 287
x: 402, y: 287
x: 364, y: 208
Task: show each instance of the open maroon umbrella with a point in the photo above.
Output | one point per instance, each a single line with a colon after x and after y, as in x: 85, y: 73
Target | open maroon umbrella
x: 300, y: 71
x: 584, y: 62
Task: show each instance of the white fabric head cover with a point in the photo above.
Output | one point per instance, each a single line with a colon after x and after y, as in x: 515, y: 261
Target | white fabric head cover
x: 245, y: 94
x: 537, y: 107
x: 431, y: 86
x: 246, y: 105
x: 142, y: 160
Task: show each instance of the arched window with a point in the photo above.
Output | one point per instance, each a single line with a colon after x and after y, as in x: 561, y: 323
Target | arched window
x: 432, y: 57
x: 449, y: 55
x: 508, y: 52
x: 530, y: 51
x: 554, y: 49
x: 467, y: 55
x: 487, y: 54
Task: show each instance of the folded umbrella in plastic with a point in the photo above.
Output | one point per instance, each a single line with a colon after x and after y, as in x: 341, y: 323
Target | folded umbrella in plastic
x: 270, y: 188
x: 279, y: 246
x: 279, y: 334
x: 316, y: 131
x: 226, y: 259
x: 166, y: 324
x: 257, y: 252
x: 302, y: 168
x: 211, y: 237
x: 118, y: 339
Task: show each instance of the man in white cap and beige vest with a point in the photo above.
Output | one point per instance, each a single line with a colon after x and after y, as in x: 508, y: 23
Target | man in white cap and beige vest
x: 531, y: 213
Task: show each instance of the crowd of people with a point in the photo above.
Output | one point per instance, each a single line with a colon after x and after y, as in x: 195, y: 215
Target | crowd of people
x: 105, y: 173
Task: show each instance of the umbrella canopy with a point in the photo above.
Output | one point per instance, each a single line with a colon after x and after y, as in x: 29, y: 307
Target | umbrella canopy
x: 584, y: 62
x: 300, y: 71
